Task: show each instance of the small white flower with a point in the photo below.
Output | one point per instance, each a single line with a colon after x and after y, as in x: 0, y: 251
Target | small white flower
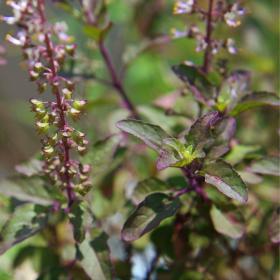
x: 183, y: 7
x: 231, y: 47
x: 233, y: 17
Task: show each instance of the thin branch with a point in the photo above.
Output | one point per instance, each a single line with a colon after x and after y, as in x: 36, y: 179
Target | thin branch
x: 209, y: 29
x: 116, y: 81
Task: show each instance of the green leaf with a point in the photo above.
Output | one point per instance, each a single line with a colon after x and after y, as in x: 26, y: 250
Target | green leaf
x: 191, y: 75
x: 31, y: 189
x: 148, y: 215
x: 274, y: 228
x: 101, y: 154
x: 239, y: 152
x: 221, y: 175
x: 224, y: 225
x: 200, y: 132
x: 233, y: 88
x: 196, y: 80
x: 27, y: 220
x: 80, y: 219
x: 267, y: 166
x: 256, y: 99
x: 171, y: 151
x: 94, y: 256
x: 147, y: 187
x: 97, y: 33
x: 152, y: 135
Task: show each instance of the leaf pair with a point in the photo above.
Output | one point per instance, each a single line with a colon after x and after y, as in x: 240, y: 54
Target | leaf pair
x: 234, y: 95
x: 208, y: 133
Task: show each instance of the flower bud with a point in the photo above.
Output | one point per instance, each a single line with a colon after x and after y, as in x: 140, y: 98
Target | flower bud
x: 75, y: 114
x: 70, y: 49
x: 33, y: 75
x: 42, y: 87
x: 67, y: 93
x: 42, y: 127
x: 48, y: 150
x: 84, y: 169
x: 79, y: 104
x: 38, y: 67
x: 82, y: 150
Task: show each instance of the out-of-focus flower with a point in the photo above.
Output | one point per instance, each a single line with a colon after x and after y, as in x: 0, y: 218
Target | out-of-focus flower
x: 175, y: 33
x: 183, y: 7
x: 230, y: 45
x: 233, y: 17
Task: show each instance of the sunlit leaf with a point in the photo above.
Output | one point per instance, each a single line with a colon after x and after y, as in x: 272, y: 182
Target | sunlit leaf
x: 80, y: 219
x: 239, y: 152
x: 148, y: 215
x: 225, y: 225
x: 94, y: 256
x: 27, y: 220
x: 172, y: 152
x: 221, y: 175
x: 31, y: 189
x: 152, y: 135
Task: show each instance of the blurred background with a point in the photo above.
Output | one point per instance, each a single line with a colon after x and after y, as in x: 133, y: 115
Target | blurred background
x: 143, y: 53
x: 147, y: 75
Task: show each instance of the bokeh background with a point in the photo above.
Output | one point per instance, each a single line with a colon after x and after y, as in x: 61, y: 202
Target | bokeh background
x: 143, y: 54
x: 148, y: 74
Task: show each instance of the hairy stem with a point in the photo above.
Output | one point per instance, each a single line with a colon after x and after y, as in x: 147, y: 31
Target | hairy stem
x: 209, y: 29
x: 56, y: 92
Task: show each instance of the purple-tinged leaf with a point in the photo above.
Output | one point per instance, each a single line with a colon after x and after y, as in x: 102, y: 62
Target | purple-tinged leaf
x: 152, y: 135
x: 225, y: 224
x: 254, y: 100
x: 171, y: 151
x: 148, y: 215
x: 223, y: 132
x: 200, y: 132
x: 221, y: 175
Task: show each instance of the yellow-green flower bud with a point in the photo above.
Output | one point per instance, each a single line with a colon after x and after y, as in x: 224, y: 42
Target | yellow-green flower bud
x: 42, y: 127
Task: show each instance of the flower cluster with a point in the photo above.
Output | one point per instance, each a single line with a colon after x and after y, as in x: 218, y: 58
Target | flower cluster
x: 45, y: 48
x: 230, y: 13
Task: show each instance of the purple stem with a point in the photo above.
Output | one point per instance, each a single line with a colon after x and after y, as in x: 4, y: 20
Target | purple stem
x: 116, y: 81
x: 209, y: 29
